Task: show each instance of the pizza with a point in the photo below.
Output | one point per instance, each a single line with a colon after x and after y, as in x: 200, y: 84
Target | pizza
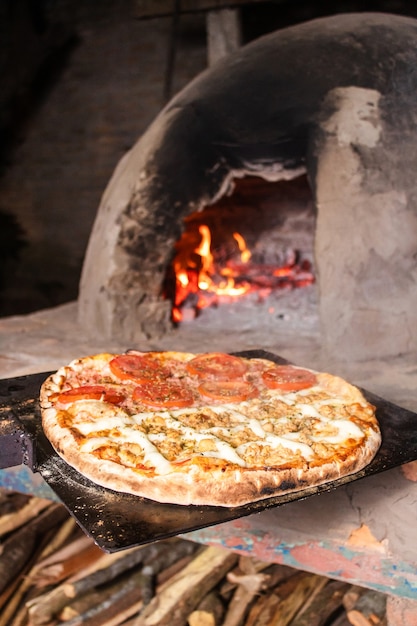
x: 205, y: 429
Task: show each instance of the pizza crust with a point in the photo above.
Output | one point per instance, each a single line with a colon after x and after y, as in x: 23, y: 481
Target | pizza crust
x: 340, y: 387
x: 226, y: 487
x: 206, y: 482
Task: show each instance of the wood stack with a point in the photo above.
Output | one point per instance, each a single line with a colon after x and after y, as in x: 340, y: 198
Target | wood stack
x: 52, y: 574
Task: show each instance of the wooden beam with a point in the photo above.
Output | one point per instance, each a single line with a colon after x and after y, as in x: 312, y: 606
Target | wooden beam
x: 223, y: 33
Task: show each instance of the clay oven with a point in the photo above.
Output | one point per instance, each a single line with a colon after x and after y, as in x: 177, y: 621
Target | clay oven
x: 333, y: 100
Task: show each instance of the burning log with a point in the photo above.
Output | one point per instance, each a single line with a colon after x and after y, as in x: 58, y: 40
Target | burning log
x: 206, y: 275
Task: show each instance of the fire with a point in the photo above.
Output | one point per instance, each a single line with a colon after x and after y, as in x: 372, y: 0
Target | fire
x: 245, y: 254
x: 201, y: 280
x: 204, y: 251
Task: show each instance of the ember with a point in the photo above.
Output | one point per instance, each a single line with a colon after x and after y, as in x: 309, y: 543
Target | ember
x: 210, y: 273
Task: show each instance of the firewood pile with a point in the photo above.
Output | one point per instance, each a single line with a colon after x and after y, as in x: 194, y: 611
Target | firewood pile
x: 52, y: 574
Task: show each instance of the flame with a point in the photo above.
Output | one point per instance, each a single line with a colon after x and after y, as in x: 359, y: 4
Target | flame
x: 197, y: 273
x: 204, y: 251
x: 225, y: 284
x: 245, y: 254
x: 200, y: 279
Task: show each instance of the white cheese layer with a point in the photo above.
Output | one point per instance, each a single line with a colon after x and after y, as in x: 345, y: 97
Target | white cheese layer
x: 113, y: 425
x: 346, y: 430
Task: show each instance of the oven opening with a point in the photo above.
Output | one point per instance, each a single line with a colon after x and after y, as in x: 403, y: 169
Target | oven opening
x: 252, y: 244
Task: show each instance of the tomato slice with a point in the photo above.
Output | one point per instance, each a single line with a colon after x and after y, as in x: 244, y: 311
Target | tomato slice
x: 138, y: 367
x: 91, y: 392
x: 227, y: 391
x: 163, y: 394
x: 288, y: 378
x: 217, y: 365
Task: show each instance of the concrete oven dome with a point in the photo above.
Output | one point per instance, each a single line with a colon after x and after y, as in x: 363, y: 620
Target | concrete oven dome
x: 335, y: 98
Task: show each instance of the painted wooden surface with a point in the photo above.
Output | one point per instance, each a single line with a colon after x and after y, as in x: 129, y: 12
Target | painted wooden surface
x: 364, y: 533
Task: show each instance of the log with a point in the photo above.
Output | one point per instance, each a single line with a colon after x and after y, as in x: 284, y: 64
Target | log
x: 209, y: 612
x: 263, y: 611
x: 173, y: 569
x: 180, y: 596
x: 127, y: 594
x: 67, y: 529
x: 248, y: 587
x: 175, y: 582
x: 288, y: 608
x: 114, y: 599
x: 201, y: 618
x: 283, y: 602
x: 10, y: 522
x: 74, y: 557
x: 112, y: 602
x: 17, y: 549
x: 42, y: 609
x: 11, y: 501
x: 53, y: 544
x: 164, y: 560
x: 368, y: 609
x: 324, y: 602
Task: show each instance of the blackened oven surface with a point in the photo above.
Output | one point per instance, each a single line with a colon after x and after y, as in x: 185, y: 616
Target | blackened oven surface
x: 117, y: 521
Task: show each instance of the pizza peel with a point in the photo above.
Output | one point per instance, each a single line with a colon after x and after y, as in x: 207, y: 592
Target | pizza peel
x: 117, y: 521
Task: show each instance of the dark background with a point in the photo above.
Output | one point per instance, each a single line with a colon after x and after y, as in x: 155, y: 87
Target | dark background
x: 80, y: 82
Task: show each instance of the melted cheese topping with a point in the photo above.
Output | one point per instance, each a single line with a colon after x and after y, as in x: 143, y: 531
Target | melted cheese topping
x: 249, y: 434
